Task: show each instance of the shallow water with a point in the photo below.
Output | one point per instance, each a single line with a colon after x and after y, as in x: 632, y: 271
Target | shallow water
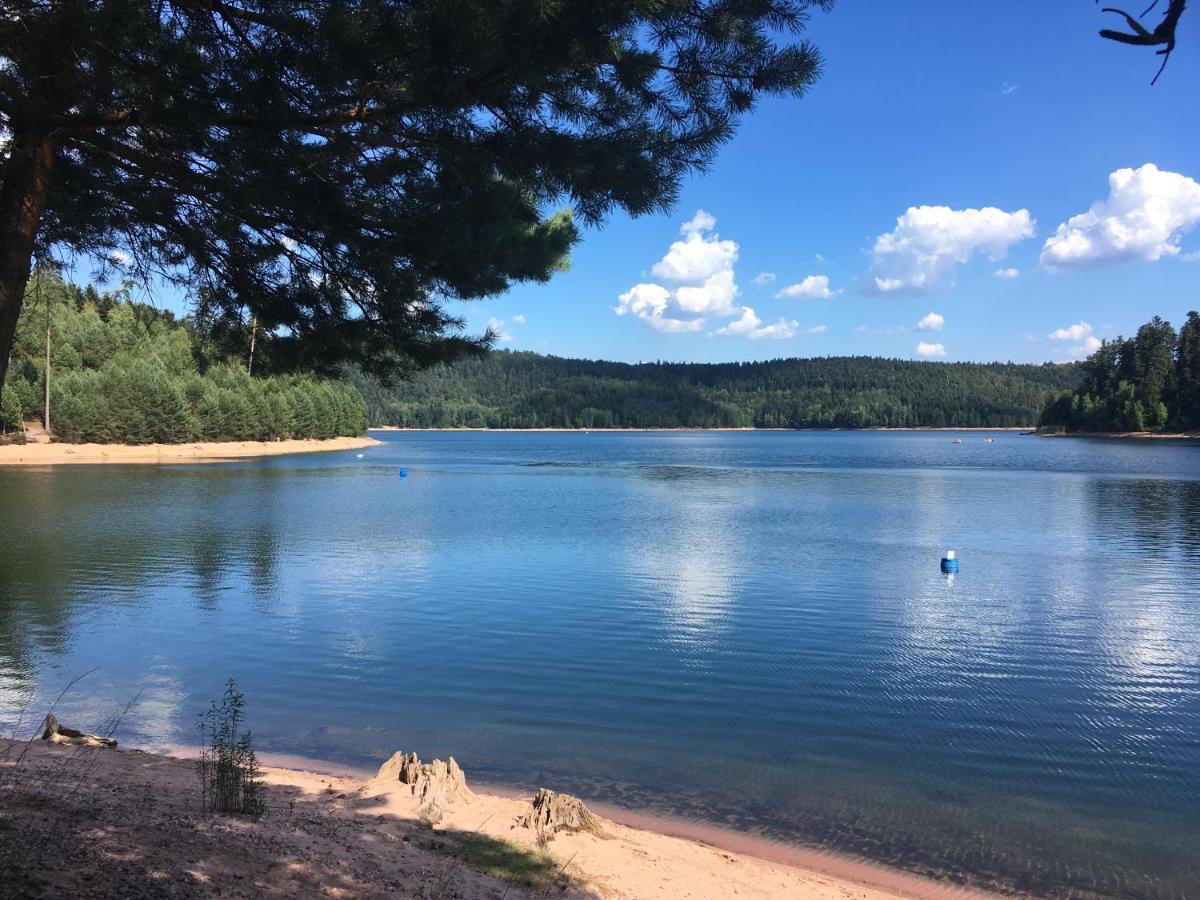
x: 748, y: 629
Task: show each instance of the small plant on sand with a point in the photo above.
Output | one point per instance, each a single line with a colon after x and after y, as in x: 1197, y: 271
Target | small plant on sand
x: 230, y: 780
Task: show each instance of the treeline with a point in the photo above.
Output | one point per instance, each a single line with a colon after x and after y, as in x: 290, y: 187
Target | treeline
x: 527, y: 390
x: 1150, y: 382
x: 126, y: 372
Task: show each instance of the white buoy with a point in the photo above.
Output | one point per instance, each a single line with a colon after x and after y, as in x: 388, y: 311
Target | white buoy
x: 358, y: 456
x: 949, y: 553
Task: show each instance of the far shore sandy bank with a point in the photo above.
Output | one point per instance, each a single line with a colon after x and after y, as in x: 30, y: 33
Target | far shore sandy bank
x: 1020, y: 428
x: 196, y: 452
x: 1127, y: 435
x: 123, y: 823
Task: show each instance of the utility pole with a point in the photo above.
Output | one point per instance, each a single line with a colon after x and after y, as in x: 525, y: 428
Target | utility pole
x: 253, y: 332
x: 46, y: 418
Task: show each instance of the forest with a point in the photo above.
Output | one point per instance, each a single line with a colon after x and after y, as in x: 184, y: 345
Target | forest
x: 128, y: 372
x: 509, y: 389
x: 1149, y: 382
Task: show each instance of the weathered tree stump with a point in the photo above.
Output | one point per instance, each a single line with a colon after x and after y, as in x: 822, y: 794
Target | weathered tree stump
x: 436, y: 785
x: 61, y: 734
x: 552, y: 813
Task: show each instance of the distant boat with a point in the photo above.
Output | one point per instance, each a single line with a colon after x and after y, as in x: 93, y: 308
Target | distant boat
x: 958, y: 440
x: 990, y: 440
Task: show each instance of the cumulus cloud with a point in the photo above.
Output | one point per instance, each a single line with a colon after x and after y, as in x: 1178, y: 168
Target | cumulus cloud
x: 764, y: 278
x: 930, y: 351
x: 751, y: 326
x: 814, y: 287
x: 1089, y: 346
x: 701, y: 221
x: 120, y: 258
x: 518, y: 319
x: 1007, y: 273
x: 1147, y: 211
x: 497, y: 327
x: 1076, y: 332
x: 920, y: 254
x: 698, y: 272
x: 698, y: 256
x: 932, y: 322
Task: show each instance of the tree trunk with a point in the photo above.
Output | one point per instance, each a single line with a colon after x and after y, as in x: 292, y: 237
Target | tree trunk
x: 22, y: 196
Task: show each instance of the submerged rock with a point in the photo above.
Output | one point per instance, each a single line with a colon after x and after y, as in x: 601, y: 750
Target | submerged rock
x: 552, y: 813
x: 436, y: 785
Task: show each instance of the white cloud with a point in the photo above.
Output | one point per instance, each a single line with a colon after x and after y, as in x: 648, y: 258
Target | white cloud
x: 819, y: 258
x: 764, y: 278
x: 701, y: 268
x: 701, y: 221
x: 751, y: 326
x: 886, y: 332
x: 932, y: 322
x: 930, y: 351
x: 713, y: 297
x: 1194, y: 256
x: 1089, y: 346
x: 649, y: 303
x: 503, y: 335
x: 816, y: 329
x: 1075, y: 332
x: 1007, y: 273
x: 814, y: 287
x: 1146, y: 213
x: 518, y: 319
x: 698, y: 257
x: 920, y: 254
x: 120, y: 258
x: 1009, y: 88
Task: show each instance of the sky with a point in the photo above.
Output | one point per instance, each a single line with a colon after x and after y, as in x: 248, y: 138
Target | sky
x: 967, y: 181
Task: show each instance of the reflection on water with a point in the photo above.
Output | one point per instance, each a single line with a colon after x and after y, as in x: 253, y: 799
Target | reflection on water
x: 746, y: 629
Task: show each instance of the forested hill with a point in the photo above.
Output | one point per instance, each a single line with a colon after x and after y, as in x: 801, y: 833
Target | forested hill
x: 527, y: 390
x: 126, y: 372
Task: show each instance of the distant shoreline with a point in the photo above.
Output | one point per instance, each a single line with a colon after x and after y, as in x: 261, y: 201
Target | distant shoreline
x: 55, y: 454
x: 1126, y: 435
x: 1008, y: 428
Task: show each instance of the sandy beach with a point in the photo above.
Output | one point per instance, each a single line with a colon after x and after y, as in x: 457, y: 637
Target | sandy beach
x: 123, y: 823
x: 196, y: 452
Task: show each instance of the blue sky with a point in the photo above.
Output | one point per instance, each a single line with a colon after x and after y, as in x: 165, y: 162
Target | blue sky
x: 947, y: 141
x: 1016, y: 107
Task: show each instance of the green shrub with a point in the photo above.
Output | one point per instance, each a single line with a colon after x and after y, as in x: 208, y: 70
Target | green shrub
x: 230, y: 779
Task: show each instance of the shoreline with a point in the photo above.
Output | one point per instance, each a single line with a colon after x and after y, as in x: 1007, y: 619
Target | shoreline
x: 856, y: 871
x: 350, y: 820
x: 1005, y: 428
x: 55, y: 454
x: 1125, y: 435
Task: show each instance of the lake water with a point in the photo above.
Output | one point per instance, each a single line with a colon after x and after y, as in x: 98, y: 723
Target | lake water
x: 748, y: 629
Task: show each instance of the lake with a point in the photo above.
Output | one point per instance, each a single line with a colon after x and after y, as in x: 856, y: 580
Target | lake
x: 741, y: 628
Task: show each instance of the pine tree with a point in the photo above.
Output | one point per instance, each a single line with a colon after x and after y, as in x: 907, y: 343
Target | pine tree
x: 331, y: 169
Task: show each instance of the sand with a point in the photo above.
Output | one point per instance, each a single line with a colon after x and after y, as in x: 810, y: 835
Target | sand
x: 201, y: 452
x: 123, y: 823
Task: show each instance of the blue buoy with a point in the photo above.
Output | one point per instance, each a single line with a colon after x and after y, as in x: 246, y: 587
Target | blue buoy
x: 404, y: 473
x: 950, y: 563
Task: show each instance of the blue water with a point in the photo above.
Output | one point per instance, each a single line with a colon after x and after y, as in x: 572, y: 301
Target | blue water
x: 749, y: 629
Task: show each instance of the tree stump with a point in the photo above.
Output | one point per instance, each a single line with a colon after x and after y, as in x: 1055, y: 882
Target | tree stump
x: 552, y: 813
x: 436, y: 785
x: 56, y: 733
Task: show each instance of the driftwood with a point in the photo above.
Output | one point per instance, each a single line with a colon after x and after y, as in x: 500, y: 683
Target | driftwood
x: 436, y: 785
x: 61, y: 734
x: 552, y: 813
